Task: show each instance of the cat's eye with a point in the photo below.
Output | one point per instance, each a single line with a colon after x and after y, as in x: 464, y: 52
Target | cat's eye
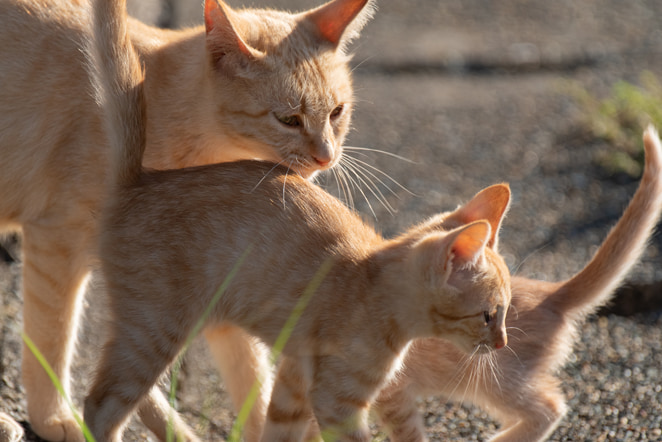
x: 336, y: 112
x: 488, y: 317
x: 289, y: 120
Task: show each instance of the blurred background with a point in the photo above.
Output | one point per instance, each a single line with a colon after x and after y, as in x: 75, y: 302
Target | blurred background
x: 551, y: 97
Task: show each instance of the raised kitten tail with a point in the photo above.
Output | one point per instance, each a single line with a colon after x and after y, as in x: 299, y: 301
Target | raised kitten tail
x: 592, y: 286
x: 118, y: 83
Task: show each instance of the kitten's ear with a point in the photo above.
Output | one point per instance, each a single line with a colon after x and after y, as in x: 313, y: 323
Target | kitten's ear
x: 468, y: 243
x: 224, y: 44
x: 489, y: 204
x: 444, y: 252
x: 339, y: 21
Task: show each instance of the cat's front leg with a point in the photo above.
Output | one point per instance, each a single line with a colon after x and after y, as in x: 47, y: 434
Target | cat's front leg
x: 289, y: 413
x: 244, y: 363
x: 55, y: 270
x: 340, y: 396
x: 397, y: 410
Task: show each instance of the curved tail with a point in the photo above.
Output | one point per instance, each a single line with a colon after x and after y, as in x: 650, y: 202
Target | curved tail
x: 118, y: 85
x: 593, y: 285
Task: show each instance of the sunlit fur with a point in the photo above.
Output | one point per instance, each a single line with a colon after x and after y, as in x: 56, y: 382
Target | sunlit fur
x: 169, y: 239
x: 212, y: 94
x: 518, y: 385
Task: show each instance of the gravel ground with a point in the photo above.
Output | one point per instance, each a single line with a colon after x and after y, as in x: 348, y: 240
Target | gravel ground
x: 472, y: 93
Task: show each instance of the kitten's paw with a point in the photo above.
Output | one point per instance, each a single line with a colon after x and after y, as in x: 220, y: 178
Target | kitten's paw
x: 62, y: 428
x: 10, y: 430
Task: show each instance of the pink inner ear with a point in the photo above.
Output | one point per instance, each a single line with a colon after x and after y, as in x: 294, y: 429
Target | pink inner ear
x: 224, y: 35
x: 470, y: 242
x: 489, y: 204
x: 211, y: 9
x: 333, y: 18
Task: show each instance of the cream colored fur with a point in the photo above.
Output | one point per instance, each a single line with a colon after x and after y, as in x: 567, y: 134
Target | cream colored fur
x: 518, y: 385
x: 213, y: 93
x: 170, y: 239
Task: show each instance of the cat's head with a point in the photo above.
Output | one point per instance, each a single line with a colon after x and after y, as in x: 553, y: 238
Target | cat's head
x: 466, y: 283
x: 282, y: 84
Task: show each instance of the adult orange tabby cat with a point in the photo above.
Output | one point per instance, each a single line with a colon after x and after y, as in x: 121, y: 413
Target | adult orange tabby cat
x: 169, y: 239
x: 249, y: 84
x: 521, y: 390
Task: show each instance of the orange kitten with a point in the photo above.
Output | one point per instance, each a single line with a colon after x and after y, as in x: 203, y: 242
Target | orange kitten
x: 518, y: 386
x: 170, y: 239
x: 248, y: 84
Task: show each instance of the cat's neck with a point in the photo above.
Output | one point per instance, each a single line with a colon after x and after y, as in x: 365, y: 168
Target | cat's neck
x: 181, y: 130
x: 376, y: 292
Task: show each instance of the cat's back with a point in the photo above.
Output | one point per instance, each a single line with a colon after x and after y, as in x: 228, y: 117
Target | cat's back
x: 206, y: 208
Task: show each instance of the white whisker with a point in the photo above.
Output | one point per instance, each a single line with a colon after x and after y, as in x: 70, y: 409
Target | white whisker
x: 529, y: 256
x: 370, y: 185
x: 285, y: 182
x: 515, y: 354
x: 517, y: 329
x: 460, y: 372
x: 349, y: 168
x: 393, y: 180
x: 266, y: 175
x: 383, y: 152
x: 472, y: 373
x: 341, y: 178
x: 360, y: 63
x: 365, y: 172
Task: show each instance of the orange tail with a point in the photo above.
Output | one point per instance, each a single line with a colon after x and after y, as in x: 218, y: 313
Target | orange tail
x: 592, y: 286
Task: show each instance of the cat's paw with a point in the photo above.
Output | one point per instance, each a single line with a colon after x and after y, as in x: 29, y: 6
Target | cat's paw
x: 58, y: 428
x: 10, y: 430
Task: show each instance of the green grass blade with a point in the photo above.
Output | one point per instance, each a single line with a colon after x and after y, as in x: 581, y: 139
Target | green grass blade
x: 58, y: 385
x: 196, y: 330
x: 277, y: 349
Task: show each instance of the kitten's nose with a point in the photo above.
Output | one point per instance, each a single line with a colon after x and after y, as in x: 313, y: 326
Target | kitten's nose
x: 501, y: 341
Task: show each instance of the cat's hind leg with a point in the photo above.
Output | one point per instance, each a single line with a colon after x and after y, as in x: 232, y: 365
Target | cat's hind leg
x: 243, y: 362
x: 162, y: 420
x: 534, y: 420
x: 55, y: 271
x: 140, y: 349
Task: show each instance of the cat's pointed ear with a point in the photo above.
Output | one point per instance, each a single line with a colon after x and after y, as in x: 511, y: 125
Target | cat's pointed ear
x: 490, y: 204
x: 445, y: 252
x: 468, y: 243
x: 339, y: 21
x: 224, y: 44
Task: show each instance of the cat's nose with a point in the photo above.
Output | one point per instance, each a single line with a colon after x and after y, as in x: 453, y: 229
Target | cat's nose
x: 322, y: 160
x: 501, y: 341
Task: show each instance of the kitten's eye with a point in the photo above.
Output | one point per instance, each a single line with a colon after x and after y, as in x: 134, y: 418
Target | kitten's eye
x: 289, y: 120
x: 488, y: 317
x: 336, y: 112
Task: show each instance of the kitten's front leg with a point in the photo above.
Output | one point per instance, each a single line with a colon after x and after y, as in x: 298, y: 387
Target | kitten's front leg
x: 340, y: 397
x: 289, y: 412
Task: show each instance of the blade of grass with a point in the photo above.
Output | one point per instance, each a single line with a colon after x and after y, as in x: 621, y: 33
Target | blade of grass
x: 196, y: 330
x: 277, y: 349
x: 58, y: 385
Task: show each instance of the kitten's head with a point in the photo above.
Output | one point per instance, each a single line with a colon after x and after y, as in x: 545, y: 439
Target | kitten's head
x: 282, y: 84
x: 466, y: 282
